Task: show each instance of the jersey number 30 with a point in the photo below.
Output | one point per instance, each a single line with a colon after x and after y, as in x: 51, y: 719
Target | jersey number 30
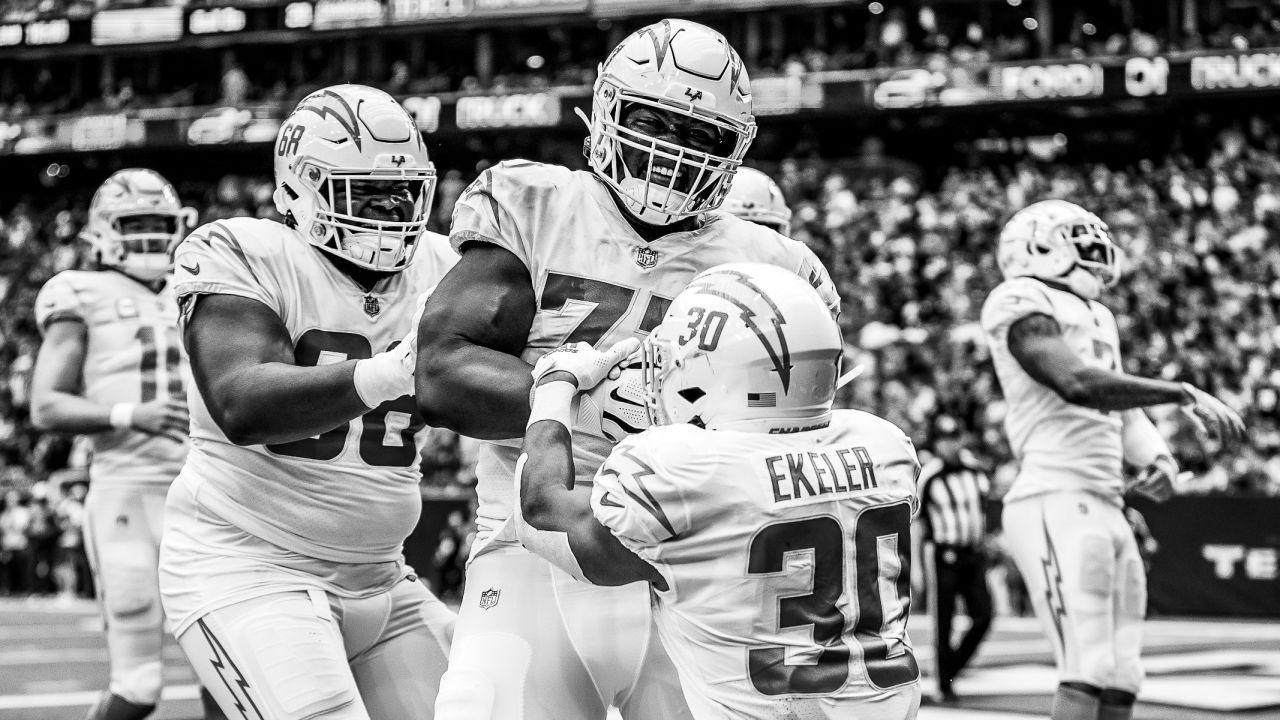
x: 386, y: 432
x: 883, y: 595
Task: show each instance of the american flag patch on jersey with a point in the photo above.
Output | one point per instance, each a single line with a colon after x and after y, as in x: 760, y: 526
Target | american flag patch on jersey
x: 769, y: 399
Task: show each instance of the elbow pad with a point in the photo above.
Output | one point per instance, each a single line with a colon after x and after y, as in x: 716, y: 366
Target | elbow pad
x: 1142, y: 442
x: 551, y: 545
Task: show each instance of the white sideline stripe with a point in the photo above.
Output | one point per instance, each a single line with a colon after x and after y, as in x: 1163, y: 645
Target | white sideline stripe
x: 30, y: 656
x: 87, y: 697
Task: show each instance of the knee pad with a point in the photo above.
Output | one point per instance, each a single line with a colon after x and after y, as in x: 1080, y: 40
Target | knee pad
x: 139, y: 683
x: 465, y: 695
x: 130, y: 587
x: 1097, y: 566
x: 485, y: 679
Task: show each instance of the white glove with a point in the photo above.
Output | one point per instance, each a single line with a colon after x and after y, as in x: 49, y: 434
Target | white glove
x: 587, y: 365
x: 615, y: 408
x: 388, y: 375
x: 1156, y: 480
x: 1211, y: 416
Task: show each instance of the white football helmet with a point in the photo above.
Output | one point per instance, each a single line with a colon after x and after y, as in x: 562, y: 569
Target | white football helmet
x: 351, y: 133
x: 136, y: 192
x: 745, y: 346
x: 681, y: 67
x: 1062, y: 242
x: 754, y: 196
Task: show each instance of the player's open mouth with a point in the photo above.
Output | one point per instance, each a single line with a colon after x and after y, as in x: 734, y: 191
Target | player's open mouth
x: 663, y: 177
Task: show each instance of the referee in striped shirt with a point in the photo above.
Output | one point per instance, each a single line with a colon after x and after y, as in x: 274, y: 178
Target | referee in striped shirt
x: 953, y: 491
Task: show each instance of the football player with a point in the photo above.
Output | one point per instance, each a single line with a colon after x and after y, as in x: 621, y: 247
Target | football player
x: 552, y: 256
x: 756, y: 197
x: 110, y: 368
x: 281, y: 567
x: 1074, y: 416
x: 774, y: 531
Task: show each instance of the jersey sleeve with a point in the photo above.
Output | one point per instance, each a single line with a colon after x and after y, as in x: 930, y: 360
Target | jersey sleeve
x: 1011, y: 301
x: 504, y: 206
x: 59, y: 299
x: 637, y: 498
x: 812, y: 270
x: 220, y: 259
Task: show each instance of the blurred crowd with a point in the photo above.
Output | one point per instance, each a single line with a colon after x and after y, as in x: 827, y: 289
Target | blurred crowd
x: 42, y: 550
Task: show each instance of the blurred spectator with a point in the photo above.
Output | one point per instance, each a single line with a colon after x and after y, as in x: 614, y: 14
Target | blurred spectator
x: 15, y: 555
x: 75, y: 579
x: 235, y: 87
x: 42, y: 535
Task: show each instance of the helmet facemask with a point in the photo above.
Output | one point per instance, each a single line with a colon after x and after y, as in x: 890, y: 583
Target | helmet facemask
x: 337, y: 226
x: 146, y: 253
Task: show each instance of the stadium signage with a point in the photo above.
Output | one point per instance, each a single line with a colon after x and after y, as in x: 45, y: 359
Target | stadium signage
x: 520, y: 7
x: 425, y: 112
x: 1146, y: 76
x: 10, y: 35
x: 410, y: 10
x: 1260, y: 563
x: 1042, y: 82
x: 217, y: 20
x: 139, y: 25
x: 48, y: 32
x: 524, y: 110
x: 298, y: 15
x: 347, y: 13
x: 99, y: 132
x: 1235, y: 72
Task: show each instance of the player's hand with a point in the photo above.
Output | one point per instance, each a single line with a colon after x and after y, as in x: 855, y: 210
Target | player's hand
x: 583, y: 364
x: 1212, y: 416
x: 615, y: 408
x: 389, y: 374
x: 1156, y: 480
x: 166, y: 417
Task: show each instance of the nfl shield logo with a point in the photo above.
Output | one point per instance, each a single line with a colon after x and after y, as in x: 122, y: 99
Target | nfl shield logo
x: 646, y: 257
x: 371, y: 306
x: 489, y: 598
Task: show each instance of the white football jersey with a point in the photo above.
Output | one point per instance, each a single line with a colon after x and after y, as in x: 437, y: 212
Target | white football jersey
x: 595, y: 279
x: 133, y: 355
x: 1059, y: 446
x: 350, y: 494
x: 787, y: 559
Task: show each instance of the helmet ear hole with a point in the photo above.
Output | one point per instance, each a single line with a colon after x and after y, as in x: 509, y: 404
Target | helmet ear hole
x: 692, y: 395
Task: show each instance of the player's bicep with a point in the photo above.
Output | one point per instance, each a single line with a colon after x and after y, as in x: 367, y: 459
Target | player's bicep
x: 486, y: 299
x: 226, y: 336
x: 60, y: 362
x: 1036, y: 343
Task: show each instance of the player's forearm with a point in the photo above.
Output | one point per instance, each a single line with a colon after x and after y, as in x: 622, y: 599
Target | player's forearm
x: 278, y: 402
x: 546, y: 476
x: 473, y: 391
x: 1107, y: 390
x: 55, y: 411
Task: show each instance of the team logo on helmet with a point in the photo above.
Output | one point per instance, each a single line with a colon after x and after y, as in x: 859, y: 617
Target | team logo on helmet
x: 327, y: 103
x: 779, y: 354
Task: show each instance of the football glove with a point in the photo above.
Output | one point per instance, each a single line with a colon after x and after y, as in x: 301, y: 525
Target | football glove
x: 1156, y: 480
x: 587, y: 365
x: 1211, y: 416
x: 387, y: 375
x: 615, y: 408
